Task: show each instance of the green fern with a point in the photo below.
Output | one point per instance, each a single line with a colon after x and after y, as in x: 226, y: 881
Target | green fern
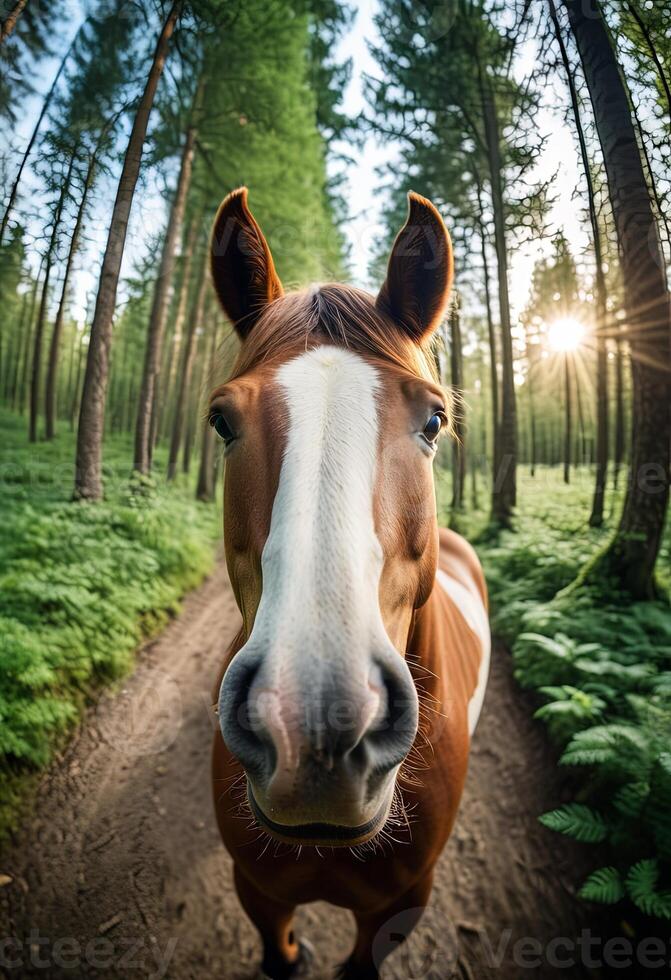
x: 602, y: 670
x: 631, y: 798
x: 605, y: 886
x: 641, y: 883
x: 625, y: 747
x: 578, y: 821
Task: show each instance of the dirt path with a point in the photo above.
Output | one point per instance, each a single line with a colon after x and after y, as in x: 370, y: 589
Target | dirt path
x: 120, y: 873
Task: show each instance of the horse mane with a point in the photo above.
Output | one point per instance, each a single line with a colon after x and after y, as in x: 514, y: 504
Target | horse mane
x: 336, y: 313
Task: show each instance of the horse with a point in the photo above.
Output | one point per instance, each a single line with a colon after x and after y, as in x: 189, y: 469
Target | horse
x: 347, y: 701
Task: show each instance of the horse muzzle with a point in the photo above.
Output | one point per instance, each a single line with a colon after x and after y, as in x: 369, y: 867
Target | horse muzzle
x: 321, y: 833
x: 321, y: 749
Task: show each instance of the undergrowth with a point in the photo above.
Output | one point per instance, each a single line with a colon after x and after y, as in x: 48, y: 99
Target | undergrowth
x: 80, y: 586
x: 602, y: 672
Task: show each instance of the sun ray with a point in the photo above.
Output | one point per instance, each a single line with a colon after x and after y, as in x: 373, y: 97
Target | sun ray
x: 566, y: 335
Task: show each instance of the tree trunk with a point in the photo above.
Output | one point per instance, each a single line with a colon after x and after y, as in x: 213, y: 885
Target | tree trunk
x: 71, y: 362
x: 652, y: 183
x: 36, y: 129
x: 457, y: 382
x: 647, y: 37
x: 88, y: 464
x: 567, y: 420
x: 188, y: 354
x: 74, y: 403
x: 602, y: 435
x: 629, y: 561
x: 533, y: 435
x: 198, y: 376
x: 44, y: 302
x: 52, y: 370
x: 176, y: 345
x: 618, y: 449
x: 493, y: 357
x: 152, y: 359
x: 9, y: 23
x: 581, y: 454
x: 504, y: 488
x: 13, y: 372
x: 25, y: 363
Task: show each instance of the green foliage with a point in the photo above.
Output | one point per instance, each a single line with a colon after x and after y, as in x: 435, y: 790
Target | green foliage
x: 576, y: 820
x: 609, y: 706
x: 603, y: 674
x: 642, y: 887
x: 81, y: 585
x: 429, y: 97
x: 604, y: 885
x: 266, y: 113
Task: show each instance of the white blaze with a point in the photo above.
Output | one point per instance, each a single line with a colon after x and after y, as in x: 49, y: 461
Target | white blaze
x: 322, y: 560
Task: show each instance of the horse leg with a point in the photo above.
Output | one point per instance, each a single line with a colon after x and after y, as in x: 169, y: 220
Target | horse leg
x: 364, y: 963
x: 283, y: 956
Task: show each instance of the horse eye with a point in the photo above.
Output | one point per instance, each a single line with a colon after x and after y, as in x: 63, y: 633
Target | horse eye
x: 221, y: 427
x: 433, y: 427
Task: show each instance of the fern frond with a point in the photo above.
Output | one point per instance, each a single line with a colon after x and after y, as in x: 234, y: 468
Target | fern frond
x: 630, y: 798
x: 604, y: 885
x: 578, y: 821
x: 641, y: 884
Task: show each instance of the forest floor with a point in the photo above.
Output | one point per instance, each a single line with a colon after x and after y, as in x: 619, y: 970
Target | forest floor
x: 118, y: 869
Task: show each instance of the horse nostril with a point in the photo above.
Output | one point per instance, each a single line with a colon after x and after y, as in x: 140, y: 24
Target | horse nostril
x: 239, y: 724
x: 391, y: 736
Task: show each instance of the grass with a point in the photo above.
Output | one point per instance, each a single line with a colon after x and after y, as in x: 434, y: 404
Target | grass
x: 602, y: 672
x: 80, y: 586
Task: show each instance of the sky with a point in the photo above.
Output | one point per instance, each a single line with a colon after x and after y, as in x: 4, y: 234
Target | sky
x: 362, y: 182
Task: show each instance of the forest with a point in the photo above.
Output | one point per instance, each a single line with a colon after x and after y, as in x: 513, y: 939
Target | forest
x: 537, y: 129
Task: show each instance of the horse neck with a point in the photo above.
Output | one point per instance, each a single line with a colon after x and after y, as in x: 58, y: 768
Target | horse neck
x: 423, y: 651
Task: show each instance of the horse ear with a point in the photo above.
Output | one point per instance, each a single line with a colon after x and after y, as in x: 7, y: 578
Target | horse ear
x: 420, y: 271
x: 243, y: 272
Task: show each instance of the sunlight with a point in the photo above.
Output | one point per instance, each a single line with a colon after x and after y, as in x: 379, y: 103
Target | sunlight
x: 566, y: 335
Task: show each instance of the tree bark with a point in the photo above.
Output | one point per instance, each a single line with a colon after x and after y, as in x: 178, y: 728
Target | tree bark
x: 505, y: 486
x: 618, y: 449
x: 44, y: 302
x: 152, y: 360
x: 647, y: 37
x: 491, y: 334
x: 629, y: 561
x: 652, y: 181
x: 459, y: 435
x: 52, y: 370
x: 9, y: 23
x: 24, y: 159
x: 176, y: 345
x: 12, y: 378
x: 533, y: 434
x: 205, y: 488
x: 568, y: 436
x: 195, y: 397
x: 602, y: 435
x: 582, y: 457
x: 74, y: 402
x: 88, y: 464
x: 188, y: 355
x: 25, y: 362
x: 71, y: 362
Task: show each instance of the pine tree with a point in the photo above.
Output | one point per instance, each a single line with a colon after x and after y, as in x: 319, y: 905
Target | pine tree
x: 88, y: 464
x: 449, y: 95
x: 88, y: 112
x: 630, y: 559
